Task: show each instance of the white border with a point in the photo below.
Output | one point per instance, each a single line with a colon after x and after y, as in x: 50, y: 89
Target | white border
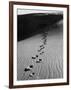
x: 15, y: 82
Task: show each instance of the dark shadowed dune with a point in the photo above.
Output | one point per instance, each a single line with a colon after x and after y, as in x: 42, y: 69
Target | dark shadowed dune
x: 32, y: 24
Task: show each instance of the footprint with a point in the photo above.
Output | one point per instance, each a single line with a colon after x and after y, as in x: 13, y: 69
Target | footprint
x: 31, y: 66
x: 27, y: 69
x: 41, y: 53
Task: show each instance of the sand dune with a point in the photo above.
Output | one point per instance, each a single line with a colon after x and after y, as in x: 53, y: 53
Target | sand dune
x: 51, y: 66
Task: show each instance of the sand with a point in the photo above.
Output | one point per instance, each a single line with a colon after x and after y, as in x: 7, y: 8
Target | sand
x: 51, y: 66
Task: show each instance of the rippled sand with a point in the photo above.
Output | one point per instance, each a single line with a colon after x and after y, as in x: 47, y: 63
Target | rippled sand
x: 51, y: 66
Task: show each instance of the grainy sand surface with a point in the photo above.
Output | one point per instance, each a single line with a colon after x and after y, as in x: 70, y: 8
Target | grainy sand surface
x: 51, y: 66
